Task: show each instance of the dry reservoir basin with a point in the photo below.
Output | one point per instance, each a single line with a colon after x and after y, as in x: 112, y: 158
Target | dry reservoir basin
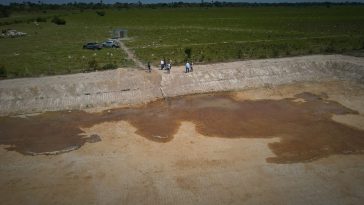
x: 291, y: 133
x: 303, y: 123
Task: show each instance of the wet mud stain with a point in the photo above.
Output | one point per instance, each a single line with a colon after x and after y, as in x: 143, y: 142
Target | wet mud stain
x: 302, y: 123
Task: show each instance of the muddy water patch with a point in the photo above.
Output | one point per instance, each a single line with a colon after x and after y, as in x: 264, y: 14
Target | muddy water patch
x: 48, y: 133
x: 303, y: 123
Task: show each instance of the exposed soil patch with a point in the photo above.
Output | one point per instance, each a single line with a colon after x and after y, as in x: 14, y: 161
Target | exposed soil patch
x: 303, y: 123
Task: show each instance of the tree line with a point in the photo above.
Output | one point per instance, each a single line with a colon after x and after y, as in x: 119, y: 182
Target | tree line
x: 6, y: 10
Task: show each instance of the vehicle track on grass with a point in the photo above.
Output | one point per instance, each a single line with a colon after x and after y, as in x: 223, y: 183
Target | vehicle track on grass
x: 255, y: 41
x: 131, y: 55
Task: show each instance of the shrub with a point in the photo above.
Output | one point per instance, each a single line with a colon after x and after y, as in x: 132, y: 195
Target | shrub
x: 275, y: 53
x: 329, y: 48
x: 51, y: 71
x: 101, y: 13
x: 93, y: 65
x: 3, y: 72
x: 41, y: 19
x: 109, y: 66
x: 262, y: 55
x: 58, y: 21
x: 202, y: 58
x: 26, y: 72
x: 4, y: 12
x: 240, y: 54
x: 188, y: 53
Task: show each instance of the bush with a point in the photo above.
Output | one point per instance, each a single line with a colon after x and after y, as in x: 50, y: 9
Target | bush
x: 275, y: 53
x: 188, y: 53
x: 240, y: 54
x: 30, y: 21
x: 58, y: 21
x: 4, y: 12
x: 41, y: 19
x: 329, y: 48
x: 109, y: 66
x: 93, y: 65
x: 101, y: 13
x: 3, y: 72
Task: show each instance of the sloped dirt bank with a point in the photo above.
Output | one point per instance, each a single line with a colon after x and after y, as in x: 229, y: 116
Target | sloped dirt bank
x: 125, y: 87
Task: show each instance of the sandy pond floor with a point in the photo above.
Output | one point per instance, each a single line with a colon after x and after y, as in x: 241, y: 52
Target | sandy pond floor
x: 184, y: 159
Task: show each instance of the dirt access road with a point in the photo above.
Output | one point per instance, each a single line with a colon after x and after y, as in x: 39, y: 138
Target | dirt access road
x: 224, y: 149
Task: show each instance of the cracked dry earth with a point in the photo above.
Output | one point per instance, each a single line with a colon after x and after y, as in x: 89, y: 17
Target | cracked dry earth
x: 300, y: 143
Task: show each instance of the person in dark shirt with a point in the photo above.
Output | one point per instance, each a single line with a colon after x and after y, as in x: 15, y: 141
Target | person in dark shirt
x: 149, y: 68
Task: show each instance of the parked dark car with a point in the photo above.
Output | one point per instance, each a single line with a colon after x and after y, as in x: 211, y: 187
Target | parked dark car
x: 92, y: 46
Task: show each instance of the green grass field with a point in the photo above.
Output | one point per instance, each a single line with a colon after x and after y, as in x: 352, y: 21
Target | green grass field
x: 213, y: 35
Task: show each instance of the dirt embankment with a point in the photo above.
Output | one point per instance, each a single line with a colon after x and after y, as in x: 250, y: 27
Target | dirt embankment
x: 123, y: 87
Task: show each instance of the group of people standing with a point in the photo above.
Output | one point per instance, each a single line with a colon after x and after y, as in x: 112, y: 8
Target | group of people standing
x: 168, y: 66
x: 165, y: 65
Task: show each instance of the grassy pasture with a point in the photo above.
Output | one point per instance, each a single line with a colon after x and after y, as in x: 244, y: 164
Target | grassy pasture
x: 213, y: 34
x: 248, y: 33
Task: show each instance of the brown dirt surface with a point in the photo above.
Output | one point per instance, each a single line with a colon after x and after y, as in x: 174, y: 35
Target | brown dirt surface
x: 303, y: 123
x: 289, y: 132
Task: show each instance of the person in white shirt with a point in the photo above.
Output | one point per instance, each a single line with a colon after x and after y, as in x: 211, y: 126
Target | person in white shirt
x: 188, y: 67
x: 162, y: 64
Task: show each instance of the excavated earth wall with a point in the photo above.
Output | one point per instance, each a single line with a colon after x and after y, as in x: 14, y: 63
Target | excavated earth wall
x: 125, y: 87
